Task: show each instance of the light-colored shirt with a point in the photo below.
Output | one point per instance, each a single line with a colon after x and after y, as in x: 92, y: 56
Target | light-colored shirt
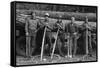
x: 31, y: 24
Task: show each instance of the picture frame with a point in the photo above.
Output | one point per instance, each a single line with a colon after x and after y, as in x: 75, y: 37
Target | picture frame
x: 36, y: 42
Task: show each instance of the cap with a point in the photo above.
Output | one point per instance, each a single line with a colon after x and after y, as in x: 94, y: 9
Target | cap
x: 46, y: 14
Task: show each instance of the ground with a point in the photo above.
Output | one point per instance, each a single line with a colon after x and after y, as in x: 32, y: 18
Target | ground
x: 56, y: 59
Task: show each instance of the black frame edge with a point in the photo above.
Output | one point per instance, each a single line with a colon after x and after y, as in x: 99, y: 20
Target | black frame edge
x: 12, y: 33
x: 30, y: 2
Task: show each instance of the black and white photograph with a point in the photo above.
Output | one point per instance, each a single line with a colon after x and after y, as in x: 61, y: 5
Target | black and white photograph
x: 52, y: 33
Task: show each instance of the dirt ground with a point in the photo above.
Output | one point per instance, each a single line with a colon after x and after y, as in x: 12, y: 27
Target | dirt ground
x: 56, y: 59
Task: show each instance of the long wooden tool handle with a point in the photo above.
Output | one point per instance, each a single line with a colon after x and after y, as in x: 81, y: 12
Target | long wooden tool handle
x: 68, y: 46
x: 86, y: 41
x: 43, y: 43
x: 27, y: 45
x: 54, y: 44
x: 90, y: 41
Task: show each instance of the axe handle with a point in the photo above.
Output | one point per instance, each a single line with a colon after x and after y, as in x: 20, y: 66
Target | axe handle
x: 86, y: 41
x: 68, y: 47
x: 54, y: 44
x: 43, y: 43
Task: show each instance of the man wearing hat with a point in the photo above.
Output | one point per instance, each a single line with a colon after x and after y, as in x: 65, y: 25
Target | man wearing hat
x: 44, y: 23
x: 59, y: 25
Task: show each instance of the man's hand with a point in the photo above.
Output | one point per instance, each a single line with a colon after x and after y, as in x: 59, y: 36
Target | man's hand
x: 88, y: 27
x: 59, y: 27
x: 46, y: 25
x: 75, y: 33
x: 27, y: 33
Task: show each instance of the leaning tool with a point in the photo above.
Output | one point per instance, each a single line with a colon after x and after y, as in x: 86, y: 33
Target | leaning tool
x: 54, y: 44
x: 43, y: 43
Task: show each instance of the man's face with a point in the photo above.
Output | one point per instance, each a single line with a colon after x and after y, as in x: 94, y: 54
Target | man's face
x: 59, y: 19
x: 46, y: 17
x: 72, y: 20
x: 86, y: 21
x: 33, y: 15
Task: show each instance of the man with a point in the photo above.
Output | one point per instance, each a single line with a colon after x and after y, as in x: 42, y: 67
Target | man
x: 44, y: 23
x: 59, y: 25
x: 72, y: 30
x: 87, y: 36
x: 30, y: 28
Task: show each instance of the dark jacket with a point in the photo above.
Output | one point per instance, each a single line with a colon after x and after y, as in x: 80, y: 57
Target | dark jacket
x: 58, y: 25
x: 71, y: 28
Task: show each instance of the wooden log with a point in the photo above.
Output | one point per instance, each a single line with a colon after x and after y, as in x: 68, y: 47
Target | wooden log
x: 66, y: 15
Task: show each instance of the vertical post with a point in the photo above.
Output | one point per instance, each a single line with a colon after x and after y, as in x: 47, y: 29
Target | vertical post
x: 90, y: 42
x: 86, y: 41
x: 68, y: 53
x: 86, y: 25
x: 54, y: 45
x: 43, y: 43
x: 70, y: 47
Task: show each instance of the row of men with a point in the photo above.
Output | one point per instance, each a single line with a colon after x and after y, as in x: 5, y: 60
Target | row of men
x: 34, y: 28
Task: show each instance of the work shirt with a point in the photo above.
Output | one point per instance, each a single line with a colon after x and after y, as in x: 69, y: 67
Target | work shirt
x: 31, y: 24
x: 71, y: 28
x: 57, y: 25
x: 42, y: 23
x: 86, y: 26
